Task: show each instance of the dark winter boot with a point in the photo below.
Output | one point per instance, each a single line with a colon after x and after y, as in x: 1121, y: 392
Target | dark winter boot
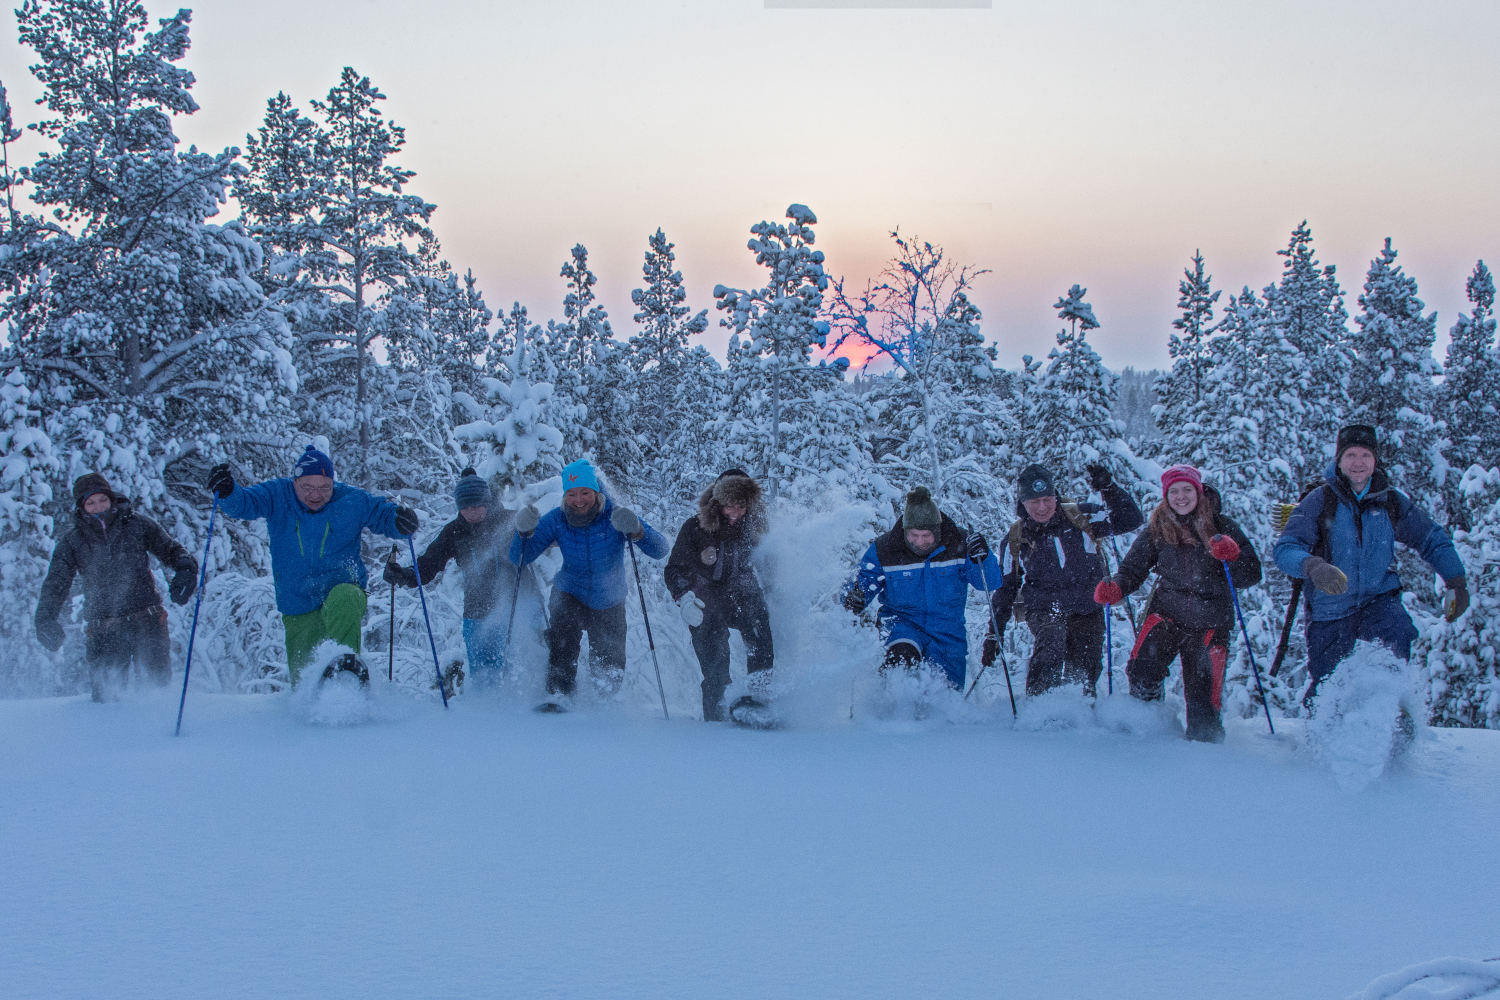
x: 1205, y: 727
x: 348, y: 663
x: 1147, y: 691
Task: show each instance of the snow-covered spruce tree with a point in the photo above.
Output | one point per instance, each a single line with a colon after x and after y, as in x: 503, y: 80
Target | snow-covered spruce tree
x: 675, y: 393
x: 142, y: 331
x: 1468, y: 396
x: 1307, y: 309
x: 778, y: 403
x: 1394, y: 386
x: 1180, y: 391
x: 28, y: 467
x: 328, y: 199
x: 1065, y: 415
x: 939, y: 421
x: 591, y: 370
x: 1463, y: 658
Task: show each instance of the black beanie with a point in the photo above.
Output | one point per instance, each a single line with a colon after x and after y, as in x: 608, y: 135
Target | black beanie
x: 1356, y: 436
x: 921, y: 513
x: 1033, y: 482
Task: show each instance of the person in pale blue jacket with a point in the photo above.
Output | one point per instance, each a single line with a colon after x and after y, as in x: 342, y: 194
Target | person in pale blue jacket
x: 588, y: 593
x: 315, y: 526
x: 1342, y: 539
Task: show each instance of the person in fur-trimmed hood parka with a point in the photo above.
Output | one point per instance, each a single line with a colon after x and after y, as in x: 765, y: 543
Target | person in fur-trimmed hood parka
x: 710, y: 575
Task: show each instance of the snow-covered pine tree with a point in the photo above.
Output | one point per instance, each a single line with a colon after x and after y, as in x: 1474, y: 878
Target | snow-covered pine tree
x: 1395, y: 377
x: 1307, y: 309
x: 1470, y: 376
x: 1065, y: 416
x: 144, y: 335
x: 939, y: 420
x: 329, y: 200
x: 777, y: 400
x: 1463, y: 658
x: 1181, y: 390
x: 28, y: 467
x: 675, y: 391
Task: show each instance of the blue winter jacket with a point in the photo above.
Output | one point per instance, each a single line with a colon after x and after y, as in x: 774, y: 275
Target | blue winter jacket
x: 593, y: 568
x: 312, y: 551
x: 923, y: 598
x: 1362, y: 542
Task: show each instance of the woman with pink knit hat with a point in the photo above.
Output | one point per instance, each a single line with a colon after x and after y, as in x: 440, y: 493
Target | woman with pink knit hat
x: 1190, y: 616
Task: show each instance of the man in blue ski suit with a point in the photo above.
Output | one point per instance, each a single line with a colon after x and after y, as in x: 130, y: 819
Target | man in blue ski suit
x: 588, y: 593
x: 919, y: 573
x: 315, y: 526
x: 1342, y: 538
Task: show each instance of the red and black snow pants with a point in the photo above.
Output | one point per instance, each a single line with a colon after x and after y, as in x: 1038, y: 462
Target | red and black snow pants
x: 1203, y: 652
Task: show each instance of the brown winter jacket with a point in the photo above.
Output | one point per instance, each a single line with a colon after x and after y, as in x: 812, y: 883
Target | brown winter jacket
x: 1191, y: 589
x: 710, y: 556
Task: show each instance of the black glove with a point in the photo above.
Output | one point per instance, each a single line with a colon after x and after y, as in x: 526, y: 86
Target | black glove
x: 49, y: 634
x: 396, y: 573
x: 1099, y: 477
x: 220, y: 480
x: 854, y: 600
x: 183, y: 584
x: 989, y: 650
x: 1458, y: 599
x: 978, y: 548
x: 406, y: 520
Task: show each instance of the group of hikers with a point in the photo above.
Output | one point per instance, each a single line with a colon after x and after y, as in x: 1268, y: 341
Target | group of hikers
x: 1050, y: 573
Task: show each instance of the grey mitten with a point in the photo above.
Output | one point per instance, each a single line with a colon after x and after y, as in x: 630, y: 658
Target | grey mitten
x: 527, y: 519
x: 1325, y: 576
x: 626, y: 523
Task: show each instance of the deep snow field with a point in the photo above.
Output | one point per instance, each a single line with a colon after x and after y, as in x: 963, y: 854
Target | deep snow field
x: 309, y: 845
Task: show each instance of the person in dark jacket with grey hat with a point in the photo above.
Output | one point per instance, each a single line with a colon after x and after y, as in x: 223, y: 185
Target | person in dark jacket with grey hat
x: 478, y: 540
x: 710, y: 576
x: 107, y: 550
x: 1051, y: 560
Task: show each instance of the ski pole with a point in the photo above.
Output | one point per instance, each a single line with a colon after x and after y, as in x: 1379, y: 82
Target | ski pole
x: 649, y: 640
x: 1109, y: 650
x: 1129, y: 608
x: 390, y: 670
x: 1251, y: 652
x: 193, y: 632
x: 1000, y: 652
x: 1286, y: 627
x: 422, y: 593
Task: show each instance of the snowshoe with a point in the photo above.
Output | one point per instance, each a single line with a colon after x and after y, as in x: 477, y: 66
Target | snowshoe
x: 453, y: 680
x: 351, y: 664
x: 554, y: 707
x: 752, y: 714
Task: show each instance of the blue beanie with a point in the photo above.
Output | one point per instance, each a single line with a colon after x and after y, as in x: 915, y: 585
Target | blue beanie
x: 580, y: 473
x: 471, y: 491
x: 313, y: 463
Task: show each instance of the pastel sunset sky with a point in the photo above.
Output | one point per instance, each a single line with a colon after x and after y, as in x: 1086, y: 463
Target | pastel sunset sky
x: 1094, y: 141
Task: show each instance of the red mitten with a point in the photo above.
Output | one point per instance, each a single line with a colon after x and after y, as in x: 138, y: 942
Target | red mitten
x: 1224, y: 548
x: 1108, y: 592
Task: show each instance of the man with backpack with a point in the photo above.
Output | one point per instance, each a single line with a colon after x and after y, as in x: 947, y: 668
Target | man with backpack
x: 1051, y: 561
x: 1342, y: 538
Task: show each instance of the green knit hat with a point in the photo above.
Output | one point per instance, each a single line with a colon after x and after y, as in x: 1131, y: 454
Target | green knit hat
x: 921, y: 513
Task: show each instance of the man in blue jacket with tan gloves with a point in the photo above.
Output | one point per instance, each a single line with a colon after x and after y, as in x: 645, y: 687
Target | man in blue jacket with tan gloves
x: 588, y: 593
x: 315, y: 526
x: 1342, y: 539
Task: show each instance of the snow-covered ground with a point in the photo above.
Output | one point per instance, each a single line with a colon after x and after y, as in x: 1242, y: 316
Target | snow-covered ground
x: 490, y: 851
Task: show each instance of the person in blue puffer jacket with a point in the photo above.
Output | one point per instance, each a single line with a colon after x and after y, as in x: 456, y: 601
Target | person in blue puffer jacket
x: 1342, y: 538
x: 588, y: 593
x: 315, y: 526
x: 920, y: 573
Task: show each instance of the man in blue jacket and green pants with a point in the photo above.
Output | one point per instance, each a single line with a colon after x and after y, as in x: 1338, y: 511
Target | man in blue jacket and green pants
x: 588, y: 593
x: 1342, y: 539
x: 315, y: 526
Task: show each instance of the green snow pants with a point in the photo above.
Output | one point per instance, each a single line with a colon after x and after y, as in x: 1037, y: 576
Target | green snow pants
x: 339, y: 619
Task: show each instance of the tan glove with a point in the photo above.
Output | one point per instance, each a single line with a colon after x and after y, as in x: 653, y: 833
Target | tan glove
x: 1325, y: 576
